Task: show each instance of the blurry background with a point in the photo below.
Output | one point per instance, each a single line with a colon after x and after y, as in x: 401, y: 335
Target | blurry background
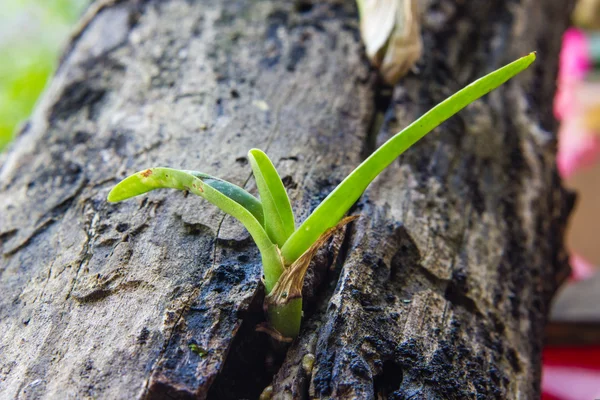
x: 32, y: 33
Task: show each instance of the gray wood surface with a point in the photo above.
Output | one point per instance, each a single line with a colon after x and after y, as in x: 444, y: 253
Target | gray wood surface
x: 439, y: 290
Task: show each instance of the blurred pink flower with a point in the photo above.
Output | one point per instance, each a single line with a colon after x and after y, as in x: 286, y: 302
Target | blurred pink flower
x: 581, y: 268
x: 570, y: 382
x: 577, y: 148
x: 574, y: 64
x: 574, y: 59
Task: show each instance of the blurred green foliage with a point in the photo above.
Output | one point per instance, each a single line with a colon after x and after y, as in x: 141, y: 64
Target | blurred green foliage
x: 32, y: 33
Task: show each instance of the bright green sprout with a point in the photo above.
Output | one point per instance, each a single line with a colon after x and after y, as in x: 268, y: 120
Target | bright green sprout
x: 286, y: 251
x: 197, y: 349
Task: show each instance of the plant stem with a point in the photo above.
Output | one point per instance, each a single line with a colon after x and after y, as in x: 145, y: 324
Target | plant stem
x: 286, y: 318
x: 272, y: 266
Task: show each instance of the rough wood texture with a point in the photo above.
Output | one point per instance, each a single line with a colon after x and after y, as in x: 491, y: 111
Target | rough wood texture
x: 440, y: 290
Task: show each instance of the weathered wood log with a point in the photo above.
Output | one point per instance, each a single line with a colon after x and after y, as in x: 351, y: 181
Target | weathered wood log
x: 439, y: 290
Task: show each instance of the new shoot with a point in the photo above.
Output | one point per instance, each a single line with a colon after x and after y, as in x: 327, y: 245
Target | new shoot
x: 286, y: 249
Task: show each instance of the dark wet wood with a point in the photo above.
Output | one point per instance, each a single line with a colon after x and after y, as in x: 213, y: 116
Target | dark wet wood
x: 440, y: 289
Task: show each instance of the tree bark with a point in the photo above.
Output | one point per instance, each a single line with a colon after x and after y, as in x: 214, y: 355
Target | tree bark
x: 439, y: 290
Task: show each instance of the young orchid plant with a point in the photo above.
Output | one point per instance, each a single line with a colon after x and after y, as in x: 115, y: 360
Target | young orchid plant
x: 287, y: 250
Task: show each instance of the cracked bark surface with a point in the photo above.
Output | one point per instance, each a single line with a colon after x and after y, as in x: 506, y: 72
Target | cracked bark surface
x: 440, y: 289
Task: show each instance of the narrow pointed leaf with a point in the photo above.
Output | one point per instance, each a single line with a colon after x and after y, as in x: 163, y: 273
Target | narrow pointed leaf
x: 135, y: 187
x: 333, y: 208
x: 279, y: 218
x: 157, y: 178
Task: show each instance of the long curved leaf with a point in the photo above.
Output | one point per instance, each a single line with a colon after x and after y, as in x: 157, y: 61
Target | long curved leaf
x: 157, y: 178
x: 279, y: 218
x: 333, y: 208
x: 234, y: 192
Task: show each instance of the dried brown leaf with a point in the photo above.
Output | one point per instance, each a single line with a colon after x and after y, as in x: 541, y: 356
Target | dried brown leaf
x: 289, y: 285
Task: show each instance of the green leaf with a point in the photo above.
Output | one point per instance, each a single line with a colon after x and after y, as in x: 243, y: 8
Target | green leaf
x: 157, y: 178
x: 134, y: 188
x: 234, y: 192
x: 279, y: 218
x: 333, y: 208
